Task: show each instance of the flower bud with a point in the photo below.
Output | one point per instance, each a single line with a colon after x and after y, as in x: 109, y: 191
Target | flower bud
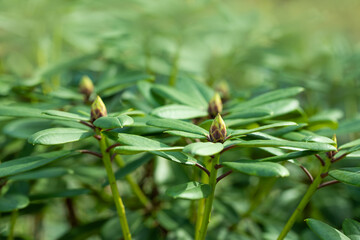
x: 215, y: 105
x: 217, y: 131
x: 98, y: 109
x: 224, y: 90
x: 86, y: 86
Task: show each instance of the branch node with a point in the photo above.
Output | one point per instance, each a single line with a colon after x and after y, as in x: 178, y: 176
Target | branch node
x: 308, y: 174
x: 320, y: 159
x: 223, y: 176
x: 202, y: 168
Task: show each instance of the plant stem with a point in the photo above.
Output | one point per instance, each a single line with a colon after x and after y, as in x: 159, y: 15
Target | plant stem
x: 305, y: 200
x: 14, y: 216
x: 200, y: 207
x: 115, y: 193
x: 133, y: 185
x: 210, y: 199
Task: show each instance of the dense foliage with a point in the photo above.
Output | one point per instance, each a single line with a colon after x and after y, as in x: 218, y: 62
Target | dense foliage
x: 175, y: 120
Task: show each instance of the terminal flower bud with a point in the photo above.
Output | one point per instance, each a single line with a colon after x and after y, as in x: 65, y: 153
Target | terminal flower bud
x: 217, y: 131
x: 98, y: 109
x: 215, y: 105
x: 86, y: 86
x: 224, y: 90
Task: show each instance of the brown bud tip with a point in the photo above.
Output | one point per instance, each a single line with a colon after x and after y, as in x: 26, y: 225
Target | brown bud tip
x: 86, y: 86
x: 217, y: 131
x: 98, y: 109
x: 215, y: 105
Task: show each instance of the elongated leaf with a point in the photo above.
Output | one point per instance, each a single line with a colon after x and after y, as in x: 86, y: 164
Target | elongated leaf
x: 269, y: 97
x: 175, y: 95
x: 250, y: 113
x: 278, y: 143
x: 24, y: 128
x: 179, y: 112
x: 236, y: 133
x: 351, y: 227
x: 113, y: 122
x: 178, y: 157
x: 24, y: 164
x: 177, y: 125
x: 287, y: 156
x: 42, y: 173
x: 198, y: 91
x: 65, y: 115
x: 135, y: 140
x: 15, y: 111
x: 282, y: 107
x: 303, y: 137
x: 203, y: 148
x: 54, y: 136
x: 189, y: 190
x: 60, y: 194
x: 350, y: 144
x: 185, y: 134
x: 324, y: 231
x: 243, y: 121
x: 10, y: 202
x: 139, y: 149
x: 347, y: 175
x: 260, y: 169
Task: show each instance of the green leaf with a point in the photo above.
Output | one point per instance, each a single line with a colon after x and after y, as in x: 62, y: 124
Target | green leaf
x: 135, y: 140
x: 236, y: 133
x: 282, y: 107
x: 350, y: 144
x: 185, y: 134
x: 283, y: 143
x: 54, y: 136
x: 139, y: 149
x: 175, y: 95
x: 199, y: 92
x: 306, y: 136
x: 179, y: 125
x: 324, y: 231
x: 178, y: 112
x: 15, y: 111
x: 178, y: 157
x: 351, y: 227
x: 10, y: 202
x: 260, y: 169
x: 42, y: 173
x: 189, y: 190
x: 288, y: 156
x: 347, y: 175
x: 203, y: 148
x: 65, y: 115
x: 60, y: 194
x: 250, y: 113
x: 269, y: 97
x: 24, y: 164
x: 113, y: 122
x: 24, y: 128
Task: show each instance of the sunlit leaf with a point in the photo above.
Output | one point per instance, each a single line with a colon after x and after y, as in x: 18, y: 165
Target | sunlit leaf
x: 203, y: 148
x: 324, y: 231
x: 54, y: 136
x: 260, y: 169
x: 190, y: 190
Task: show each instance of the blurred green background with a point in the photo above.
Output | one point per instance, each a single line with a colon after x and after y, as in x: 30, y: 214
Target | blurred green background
x: 249, y: 44
x: 252, y: 46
